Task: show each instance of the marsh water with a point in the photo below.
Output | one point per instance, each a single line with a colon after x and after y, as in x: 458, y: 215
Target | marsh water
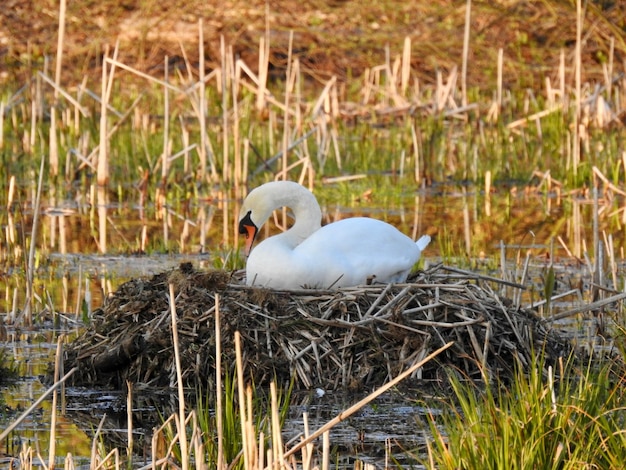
x: 493, y: 233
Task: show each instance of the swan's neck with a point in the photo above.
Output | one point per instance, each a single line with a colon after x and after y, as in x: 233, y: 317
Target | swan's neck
x: 307, y: 214
x: 262, y: 201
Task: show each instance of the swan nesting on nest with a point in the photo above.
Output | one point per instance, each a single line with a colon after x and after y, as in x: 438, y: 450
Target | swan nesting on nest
x: 350, y: 252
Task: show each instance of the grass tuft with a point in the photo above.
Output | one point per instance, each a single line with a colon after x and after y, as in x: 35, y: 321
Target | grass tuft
x: 570, y: 420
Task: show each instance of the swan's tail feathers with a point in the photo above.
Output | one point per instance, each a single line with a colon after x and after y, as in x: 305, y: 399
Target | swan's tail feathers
x: 423, y: 242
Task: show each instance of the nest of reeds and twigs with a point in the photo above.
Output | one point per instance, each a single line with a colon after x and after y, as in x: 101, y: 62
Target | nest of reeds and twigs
x: 348, y: 338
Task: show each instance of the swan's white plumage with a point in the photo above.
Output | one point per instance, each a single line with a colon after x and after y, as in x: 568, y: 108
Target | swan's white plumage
x: 349, y: 252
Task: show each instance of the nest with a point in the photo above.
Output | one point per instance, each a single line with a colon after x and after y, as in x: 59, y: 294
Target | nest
x: 350, y: 338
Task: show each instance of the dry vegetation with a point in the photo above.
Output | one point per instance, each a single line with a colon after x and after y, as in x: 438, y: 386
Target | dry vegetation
x: 335, y: 37
x: 352, y: 338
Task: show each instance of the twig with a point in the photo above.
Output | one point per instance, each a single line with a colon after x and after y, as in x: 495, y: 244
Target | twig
x: 587, y: 308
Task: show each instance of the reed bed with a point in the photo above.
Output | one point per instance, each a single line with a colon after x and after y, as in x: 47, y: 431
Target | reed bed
x: 164, y: 137
x: 355, y: 338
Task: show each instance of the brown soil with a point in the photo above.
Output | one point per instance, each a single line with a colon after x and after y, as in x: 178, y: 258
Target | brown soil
x: 332, y: 37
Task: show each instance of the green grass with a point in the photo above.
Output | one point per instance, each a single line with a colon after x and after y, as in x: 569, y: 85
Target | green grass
x: 573, y: 421
x: 232, y: 436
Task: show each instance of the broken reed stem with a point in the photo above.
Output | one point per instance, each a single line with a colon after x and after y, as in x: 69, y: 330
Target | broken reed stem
x: 182, y: 431
x: 587, y: 308
x: 360, y: 404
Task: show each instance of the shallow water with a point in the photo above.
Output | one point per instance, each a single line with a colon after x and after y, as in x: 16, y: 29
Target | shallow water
x: 494, y: 234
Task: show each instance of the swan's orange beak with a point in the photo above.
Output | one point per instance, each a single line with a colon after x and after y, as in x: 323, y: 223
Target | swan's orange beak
x: 250, y: 235
x: 249, y: 229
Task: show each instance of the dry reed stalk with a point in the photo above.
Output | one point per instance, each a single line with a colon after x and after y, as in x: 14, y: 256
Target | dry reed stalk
x: 218, y: 386
x: 103, y: 163
x: 53, y: 146
x: 94, y: 444
x: 533, y: 117
x: 156, y: 444
x: 58, y: 364
x: 597, y: 173
x: 368, y: 399
x: 286, y: 122
x: 488, y: 193
x: 466, y: 40
x: 114, y: 63
x: 406, y: 66
x: 60, y: 91
x: 102, y: 198
x: 610, y: 249
x: 392, y: 79
x: 277, y: 440
x: 89, y: 160
x: 29, y: 137
x: 11, y: 192
x: 467, y: 229
x: 129, y: 421
x: 242, y: 402
x: 166, y: 124
x: 179, y: 380
x: 203, y: 105
x: 231, y: 171
x: 417, y: 175
x: 326, y: 450
x: 30, y: 266
x: 60, y: 39
x: 593, y: 306
x: 113, y: 454
x: 225, y: 76
x: 562, y: 295
x: 609, y: 69
x: 264, y: 60
x: 249, y: 423
x: 65, y: 292
x: 576, y: 141
x: 499, y: 83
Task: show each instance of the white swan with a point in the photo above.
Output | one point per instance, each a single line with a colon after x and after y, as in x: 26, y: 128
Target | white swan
x: 350, y: 252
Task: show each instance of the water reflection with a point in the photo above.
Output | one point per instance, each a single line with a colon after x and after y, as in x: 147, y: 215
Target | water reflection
x: 465, y: 221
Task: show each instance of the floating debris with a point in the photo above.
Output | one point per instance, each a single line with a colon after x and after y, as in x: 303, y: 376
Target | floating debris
x: 351, y: 338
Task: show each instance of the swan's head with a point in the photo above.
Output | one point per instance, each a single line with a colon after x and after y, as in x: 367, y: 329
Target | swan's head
x: 255, y: 210
x: 261, y: 202
x: 248, y: 228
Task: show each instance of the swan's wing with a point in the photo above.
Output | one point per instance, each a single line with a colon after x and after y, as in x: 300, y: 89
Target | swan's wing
x: 361, y: 248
